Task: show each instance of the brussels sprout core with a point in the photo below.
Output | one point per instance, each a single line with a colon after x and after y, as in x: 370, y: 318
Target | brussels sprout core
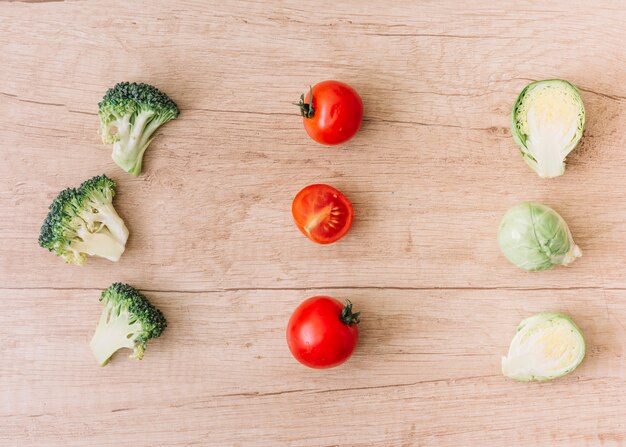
x: 546, y: 346
x: 547, y: 123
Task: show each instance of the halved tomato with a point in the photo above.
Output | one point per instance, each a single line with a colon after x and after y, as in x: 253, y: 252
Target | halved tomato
x: 322, y: 213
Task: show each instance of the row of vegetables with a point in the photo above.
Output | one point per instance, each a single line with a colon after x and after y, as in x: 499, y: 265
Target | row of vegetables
x: 547, y: 122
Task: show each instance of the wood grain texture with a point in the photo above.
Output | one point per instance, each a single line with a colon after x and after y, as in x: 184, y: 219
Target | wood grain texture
x: 212, y: 242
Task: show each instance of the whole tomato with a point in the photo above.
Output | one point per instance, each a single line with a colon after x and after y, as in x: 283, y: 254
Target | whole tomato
x: 332, y: 112
x: 322, y: 332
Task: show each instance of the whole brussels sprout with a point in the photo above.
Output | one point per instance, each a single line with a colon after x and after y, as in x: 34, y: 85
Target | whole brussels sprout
x: 534, y: 237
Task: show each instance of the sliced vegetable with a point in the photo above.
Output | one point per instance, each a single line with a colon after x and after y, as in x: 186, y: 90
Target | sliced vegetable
x: 547, y: 123
x: 322, y: 213
x: 130, y: 114
x: 534, y: 237
x: 546, y: 346
x: 82, y: 222
x: 128, y: 320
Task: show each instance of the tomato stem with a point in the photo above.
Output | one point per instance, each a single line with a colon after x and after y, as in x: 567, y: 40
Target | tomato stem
x: 347, y: 317
x: 306, y: 109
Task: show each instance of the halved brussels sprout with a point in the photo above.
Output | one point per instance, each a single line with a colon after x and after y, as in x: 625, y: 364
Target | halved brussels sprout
x: 547, y: 122
x: 534, y: 237
x: 546, y: 346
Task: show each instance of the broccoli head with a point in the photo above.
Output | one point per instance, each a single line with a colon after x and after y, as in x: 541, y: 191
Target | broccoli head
x: 128, y: 320
x: 82, y: 221
x: 129, y: 114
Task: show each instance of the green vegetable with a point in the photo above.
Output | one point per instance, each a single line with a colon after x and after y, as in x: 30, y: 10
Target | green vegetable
x: 128, y: 320
x: 534, y: 237
x: 546, y: 346
x: 129, y: 114
x: 547, y: 123
x: 83, y: 222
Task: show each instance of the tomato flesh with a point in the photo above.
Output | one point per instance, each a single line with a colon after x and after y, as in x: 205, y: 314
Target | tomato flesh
x: 337, y: 112
x: 322, y: 213
x: 316, y: 335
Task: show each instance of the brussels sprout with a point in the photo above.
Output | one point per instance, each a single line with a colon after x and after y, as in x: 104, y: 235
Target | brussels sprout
x: 534, y: 237
x: 546, y: 346
x: 547, y: 122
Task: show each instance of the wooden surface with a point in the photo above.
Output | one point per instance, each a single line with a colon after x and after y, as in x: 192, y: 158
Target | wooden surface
x: 213, y: 244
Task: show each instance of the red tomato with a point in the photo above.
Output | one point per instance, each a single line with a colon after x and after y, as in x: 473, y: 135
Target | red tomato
x: 334, y: 113
x: 322, y: 332
x: 322, y: 213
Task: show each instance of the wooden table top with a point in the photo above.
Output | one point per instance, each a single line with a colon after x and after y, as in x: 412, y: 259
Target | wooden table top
x: 213, y: 244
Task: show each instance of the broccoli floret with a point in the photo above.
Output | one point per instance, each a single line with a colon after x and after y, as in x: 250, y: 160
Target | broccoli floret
x: 129, y: 114
x: 128, y: 320
x: 97, y: 199
x: 82, y: 221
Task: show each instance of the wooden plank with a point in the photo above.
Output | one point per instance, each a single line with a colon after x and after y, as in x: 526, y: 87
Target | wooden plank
x: 426, y: 372
x: 430, y: 175
x: 212, y: 240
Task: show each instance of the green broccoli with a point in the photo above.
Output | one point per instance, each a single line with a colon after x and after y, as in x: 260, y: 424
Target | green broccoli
x: 128, y: 320
x: 129, y: 114
x: 82, y: 221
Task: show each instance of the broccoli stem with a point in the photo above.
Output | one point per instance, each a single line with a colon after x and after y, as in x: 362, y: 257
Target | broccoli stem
x: 102, y: 244
x: 128, y: 150
x: 109, y: 217
x: 112, y: 333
